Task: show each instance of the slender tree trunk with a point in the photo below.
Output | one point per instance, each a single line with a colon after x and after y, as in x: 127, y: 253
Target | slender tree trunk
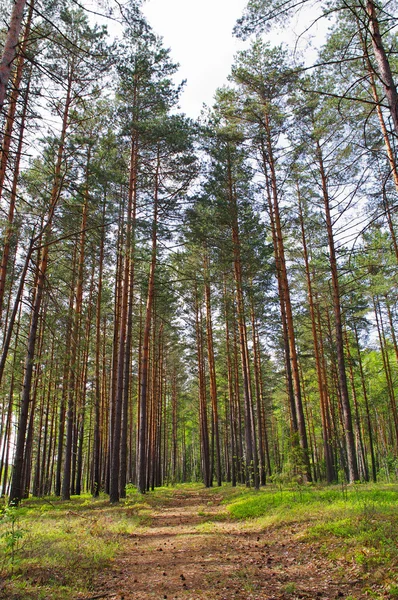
x: 342, y: 378
x: 114, y: 488
x: 142, y: 466
x: 250, y: 433
x: 257, y: 368
x: 386, y: 363
x: 36, y: 385
x: 263, y: 409
x: 83, y: 387
x: 116, y: 345
x: 13, y: 197
x: 7, y: 437
x: 96, y: 483
x: 383, y: 64
x: 330, y: 474
x: 231, y: 399
x: 10, y: 47
x: 366, y: 399
x: 285, y: 300
x: 17, y: 490
x: 129, y: 324
x: 65, y: 385
x: 174, y: 440
x: 238, y: 411
x: 362, y: 464
x: 212, y: 367
x: 204, y: 429
x: 11, y: 322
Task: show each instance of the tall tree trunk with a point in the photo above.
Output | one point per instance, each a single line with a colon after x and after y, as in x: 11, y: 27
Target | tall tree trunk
x: 142, y: 466
x: 69, y: 480
x: 231, y: 398
x: 286, y: 305
x: 116, y: 344
x: 65, y: 383
x: 257, y: 368
x: 250, y: 432
x: 14, y: 187
x: 383, y: 63
x: 386, y: 363
x: 96, y: 482
x: 114, y: 488
x: 330, y: 474
x: 10, y: 47
x: 129, y: 324
x: 83, y: 387
x: 342, y: 378
x: 11, y: 322
x: 174, y: 439
x: 366, y: 399
x: 6, y: 441
x: 212, y: 366
x: 362, y: 464
x: 263, y: 408
x: 204, y: 429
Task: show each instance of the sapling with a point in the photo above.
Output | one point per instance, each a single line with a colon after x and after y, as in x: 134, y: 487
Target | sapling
x: 13, y: 533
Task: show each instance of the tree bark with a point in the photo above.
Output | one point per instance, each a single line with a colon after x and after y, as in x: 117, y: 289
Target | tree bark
x: 10, y: 47
x: 212, y: 367
x: 96, y: 482
x: 383, y: 63
x: 330, y: 474
x: 142, y: 455
x: 297, y: 411
x: 250, y: 432
x: 342, y: 378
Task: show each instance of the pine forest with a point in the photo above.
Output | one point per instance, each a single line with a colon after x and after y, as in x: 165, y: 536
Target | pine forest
x: 209, y: 301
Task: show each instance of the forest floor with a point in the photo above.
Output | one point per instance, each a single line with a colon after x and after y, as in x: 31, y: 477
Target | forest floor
x: 190, y: 543
x: 192, y: 550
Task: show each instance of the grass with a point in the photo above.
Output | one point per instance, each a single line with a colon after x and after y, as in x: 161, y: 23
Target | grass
x: 63, y: 545
x: 53, y: 550
x: 352, y: 525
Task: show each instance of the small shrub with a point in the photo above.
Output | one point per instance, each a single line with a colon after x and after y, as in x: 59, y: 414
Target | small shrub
x: 13, y: 534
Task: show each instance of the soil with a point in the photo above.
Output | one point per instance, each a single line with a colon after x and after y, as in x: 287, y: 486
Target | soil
x: 190, y: 552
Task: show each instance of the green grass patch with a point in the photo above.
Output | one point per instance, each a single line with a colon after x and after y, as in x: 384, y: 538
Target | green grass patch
x: 63, y: 545
x: 250, y: 504
x: 352, y: 524
x: 53, y: 550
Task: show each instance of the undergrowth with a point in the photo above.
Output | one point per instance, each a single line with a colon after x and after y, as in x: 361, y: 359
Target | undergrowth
x: 63, y: 545
x: 354, y: 525
x: 54, y: 550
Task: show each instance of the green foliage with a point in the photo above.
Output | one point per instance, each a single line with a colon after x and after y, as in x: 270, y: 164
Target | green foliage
x: 266, y: 502
x: 352, y: 523
x: 289, y: 588
x: 11, y: 534
x: 64, y: 544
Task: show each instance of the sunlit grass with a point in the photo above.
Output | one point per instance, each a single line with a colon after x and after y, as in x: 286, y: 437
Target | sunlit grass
x: 351, y: 524
x: 63, y: 545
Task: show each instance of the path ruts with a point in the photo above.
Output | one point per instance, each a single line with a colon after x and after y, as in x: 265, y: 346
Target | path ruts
x: 189, y: 552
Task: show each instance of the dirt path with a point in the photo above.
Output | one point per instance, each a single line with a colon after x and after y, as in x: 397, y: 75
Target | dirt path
x: 188, y: 552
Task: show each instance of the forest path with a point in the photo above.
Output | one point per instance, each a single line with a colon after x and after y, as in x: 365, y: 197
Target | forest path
x: 191, y: 551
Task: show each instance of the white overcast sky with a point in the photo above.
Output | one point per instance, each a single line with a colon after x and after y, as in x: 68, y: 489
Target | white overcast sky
x: 199, y: 35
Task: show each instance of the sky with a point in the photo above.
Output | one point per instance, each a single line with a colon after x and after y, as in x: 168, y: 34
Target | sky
x: 199, y: 35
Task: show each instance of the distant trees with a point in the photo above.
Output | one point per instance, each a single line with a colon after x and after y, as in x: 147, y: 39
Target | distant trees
x: 207, y: 301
